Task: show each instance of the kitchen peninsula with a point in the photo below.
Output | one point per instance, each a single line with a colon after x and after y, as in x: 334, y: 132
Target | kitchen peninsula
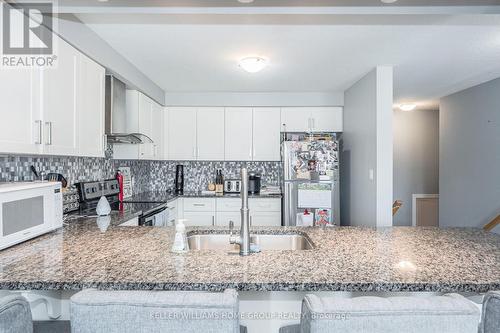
x: 354, y: 259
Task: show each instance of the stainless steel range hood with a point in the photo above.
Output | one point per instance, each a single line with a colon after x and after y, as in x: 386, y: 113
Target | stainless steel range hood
x: 115, y: 124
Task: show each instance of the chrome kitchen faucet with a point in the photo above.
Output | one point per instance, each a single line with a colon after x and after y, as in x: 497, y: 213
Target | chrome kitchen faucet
x: 243, y: 240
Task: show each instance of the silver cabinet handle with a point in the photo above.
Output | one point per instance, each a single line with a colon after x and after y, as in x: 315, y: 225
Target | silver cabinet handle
x: 199, y: 205
x: 48, y: 124
x: 213, y: 220
x: 38, y: 141
x: 194, y: 152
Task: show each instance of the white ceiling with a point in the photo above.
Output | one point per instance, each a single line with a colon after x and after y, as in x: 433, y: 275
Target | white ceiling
x: 432, y: 57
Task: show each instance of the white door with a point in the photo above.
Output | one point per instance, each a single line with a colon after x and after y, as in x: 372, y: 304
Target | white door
x: 59, y: 103
x: 327, y: 119
x: 146, y: 150
x: 199, y: 219
x: 156, y: 130
x: 238, y: 139
x: 21, y: 120
x: 266, y: 134
x: 210, y: 134
x: 90, y: 104
x: 223, y: 219
x: 182, y: 133
x: 265, y: 219
x: 296, y: 119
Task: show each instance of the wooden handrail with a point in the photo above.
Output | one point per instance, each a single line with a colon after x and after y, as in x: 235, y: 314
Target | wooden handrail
x: 395, y: 206
x: 490, y: 226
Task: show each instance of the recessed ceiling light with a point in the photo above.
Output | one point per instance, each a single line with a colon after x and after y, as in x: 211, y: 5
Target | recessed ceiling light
x: 253, y: 64
x: 245, y: 1
x: 388, y: 1
x: 407, y: 107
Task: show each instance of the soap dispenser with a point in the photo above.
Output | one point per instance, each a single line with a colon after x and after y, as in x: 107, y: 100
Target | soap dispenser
x: 180, y: 241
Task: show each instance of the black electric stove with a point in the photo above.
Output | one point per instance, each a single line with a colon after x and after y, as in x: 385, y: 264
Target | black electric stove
x: 152, y: 213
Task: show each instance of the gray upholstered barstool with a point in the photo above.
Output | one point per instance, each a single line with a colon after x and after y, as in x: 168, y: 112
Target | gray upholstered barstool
x: 450, y: 313
x: 94, y: 311
x: 15, y: 315
x: 490, y: 318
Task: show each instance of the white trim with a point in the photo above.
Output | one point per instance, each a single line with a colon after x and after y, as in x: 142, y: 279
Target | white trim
x: 414, y: 205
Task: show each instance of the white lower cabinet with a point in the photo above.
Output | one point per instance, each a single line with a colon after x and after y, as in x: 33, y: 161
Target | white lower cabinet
x: 263, y: 211
x: 199, y: 211
x: 223, y: 218
x: 173, y: 209
x: 265, y: 219
x: 193, y: 219
x: 220, y: 211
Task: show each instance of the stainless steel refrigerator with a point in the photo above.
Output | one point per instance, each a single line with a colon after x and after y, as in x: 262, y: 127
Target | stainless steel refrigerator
x: 311, y: 181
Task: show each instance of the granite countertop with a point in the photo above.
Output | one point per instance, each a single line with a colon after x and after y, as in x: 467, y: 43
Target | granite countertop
x: 166, y: 197
x: 80, y: 255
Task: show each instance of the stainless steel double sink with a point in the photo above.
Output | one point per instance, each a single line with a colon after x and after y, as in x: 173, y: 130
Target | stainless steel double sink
x: 266, y: 242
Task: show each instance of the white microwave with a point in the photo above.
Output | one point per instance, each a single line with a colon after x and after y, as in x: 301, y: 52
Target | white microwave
x: 28, y: 210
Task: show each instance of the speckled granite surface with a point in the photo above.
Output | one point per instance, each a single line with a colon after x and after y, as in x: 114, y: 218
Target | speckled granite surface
x: 166, y: 197
x: 349, y: 259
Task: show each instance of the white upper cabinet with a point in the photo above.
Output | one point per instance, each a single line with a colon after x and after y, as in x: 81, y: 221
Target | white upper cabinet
x: 238, y: 138
x: 327, y: 119
x: 145, y: 126
x: 182, y: 133
x: 157, y: 114
x: 266, y: 134
x: 90, y: 104
x: 312, y: 119
x: 210, y: 134
x: 59, y: 89
x: 295, y: 119
x: 21, y: 126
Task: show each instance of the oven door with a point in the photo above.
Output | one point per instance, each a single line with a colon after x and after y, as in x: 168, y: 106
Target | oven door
x: 25, y: 214
x: 156, y: 218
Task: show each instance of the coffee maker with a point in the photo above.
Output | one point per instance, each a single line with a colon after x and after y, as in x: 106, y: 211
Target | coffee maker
x: 179, y: 179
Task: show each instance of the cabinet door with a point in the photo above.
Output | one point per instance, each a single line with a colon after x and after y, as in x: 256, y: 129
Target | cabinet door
x: 21, y: 121
x: 146, y: 150
x: 182, y: 134
x: 327, y: 119
x: 238, y: 139
x: 199, y: 219
x: 59, y: 103
x: 265, y: 219
x: 296, y: 119
x: 266, y: 134
x: 210, y: 134
x: 223, y: 219
x: 90, y: 104
x: 156, y: 130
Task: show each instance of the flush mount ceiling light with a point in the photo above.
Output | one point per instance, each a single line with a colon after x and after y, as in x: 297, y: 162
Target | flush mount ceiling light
x: 245, y: 1
x: 388, y: 1
x: 407, y: 107
x: 253, y: 64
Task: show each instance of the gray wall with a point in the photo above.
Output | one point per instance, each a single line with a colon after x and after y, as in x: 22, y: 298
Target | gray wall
x: 416, y: 158
x: 367, y: 146
x: 359, y: 153
x: 469, y: 176
x: 86, y: 40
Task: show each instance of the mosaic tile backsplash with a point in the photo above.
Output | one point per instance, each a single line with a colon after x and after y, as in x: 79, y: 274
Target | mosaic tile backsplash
x: 147, y: 175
